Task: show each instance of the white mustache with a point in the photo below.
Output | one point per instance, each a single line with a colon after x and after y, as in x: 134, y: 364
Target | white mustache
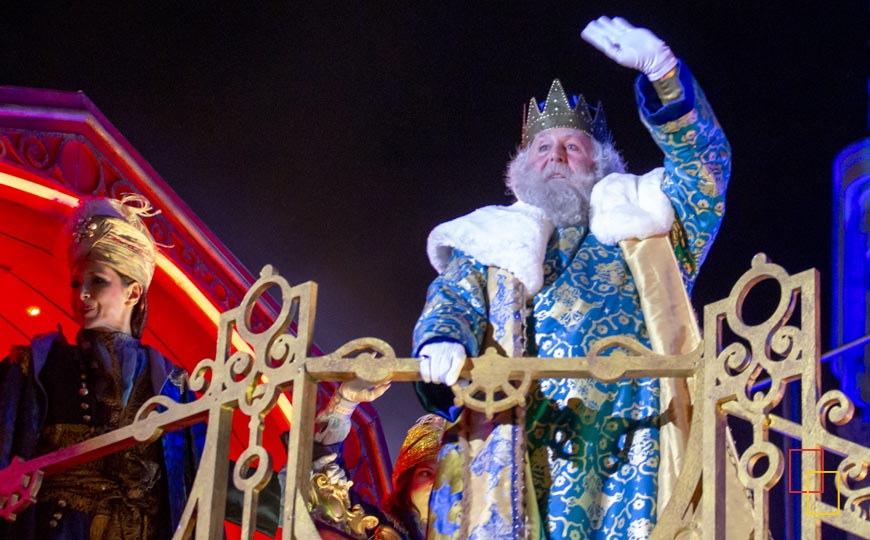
x: 553, y: 168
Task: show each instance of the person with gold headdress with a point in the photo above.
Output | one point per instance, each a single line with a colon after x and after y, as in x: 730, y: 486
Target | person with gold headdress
x: 587, y: 252
x: 56, y: 394
x: 404, y: 514
x: 407, y: 506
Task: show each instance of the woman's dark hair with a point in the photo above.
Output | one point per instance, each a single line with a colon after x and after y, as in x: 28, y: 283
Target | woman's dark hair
x: 399, y: 501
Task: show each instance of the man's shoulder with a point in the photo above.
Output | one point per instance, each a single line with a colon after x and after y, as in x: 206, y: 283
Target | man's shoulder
x: 511, y: 237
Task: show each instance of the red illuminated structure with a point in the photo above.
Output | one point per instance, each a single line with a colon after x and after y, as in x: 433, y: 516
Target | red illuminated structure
x: 56, y: 147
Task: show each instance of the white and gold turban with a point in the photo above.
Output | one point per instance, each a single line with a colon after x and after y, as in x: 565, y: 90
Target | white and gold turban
x: 112, y: 232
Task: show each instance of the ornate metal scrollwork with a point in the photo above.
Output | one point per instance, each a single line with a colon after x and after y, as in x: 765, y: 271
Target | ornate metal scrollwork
x: 781, y: 350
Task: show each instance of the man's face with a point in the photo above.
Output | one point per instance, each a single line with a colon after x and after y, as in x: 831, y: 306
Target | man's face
x: 562, y: 145
x: 556, y: 173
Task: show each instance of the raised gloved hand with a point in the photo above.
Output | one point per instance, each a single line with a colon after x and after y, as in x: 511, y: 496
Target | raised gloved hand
x: 441, y: 362
x: 635, y: 48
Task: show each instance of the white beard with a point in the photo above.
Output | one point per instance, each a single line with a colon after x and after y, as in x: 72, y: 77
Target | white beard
x: 564, y: 199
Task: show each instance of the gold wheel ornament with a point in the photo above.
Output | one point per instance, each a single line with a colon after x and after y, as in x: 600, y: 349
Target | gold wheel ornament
x: 491, y: 376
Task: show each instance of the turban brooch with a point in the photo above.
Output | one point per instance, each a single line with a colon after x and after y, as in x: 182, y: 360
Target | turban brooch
x: 111, y: 231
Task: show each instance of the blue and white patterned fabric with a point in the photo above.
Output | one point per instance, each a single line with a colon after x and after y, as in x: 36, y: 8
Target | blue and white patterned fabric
x: 594, y: 447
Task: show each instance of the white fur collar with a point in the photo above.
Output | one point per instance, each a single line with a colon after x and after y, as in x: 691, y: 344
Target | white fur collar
x: 515, y: 237
x: 510, y: 237
x: 624, y: 206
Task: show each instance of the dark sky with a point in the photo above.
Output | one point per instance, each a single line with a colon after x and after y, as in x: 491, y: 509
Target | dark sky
x: 328, y: 138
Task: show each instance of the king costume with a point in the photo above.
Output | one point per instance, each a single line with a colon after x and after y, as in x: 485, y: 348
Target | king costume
x: 593, y: 448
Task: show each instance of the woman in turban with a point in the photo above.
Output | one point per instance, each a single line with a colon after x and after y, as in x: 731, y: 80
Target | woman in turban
x: 55, y: 394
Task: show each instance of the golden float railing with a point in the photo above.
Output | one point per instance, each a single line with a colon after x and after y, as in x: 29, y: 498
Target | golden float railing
x: 735, y: 356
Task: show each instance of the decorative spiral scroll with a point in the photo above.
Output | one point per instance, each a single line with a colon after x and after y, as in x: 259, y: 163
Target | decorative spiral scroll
x: 836, y: 407
x: 857, y: 500
x: 859, y: 505
x: 775, y: 348
x: 785, y: 342
x: 198, y: 380
x: 735, y: 357
x: 35, y: 152
x: 240, y: 364
x: 282, y: 351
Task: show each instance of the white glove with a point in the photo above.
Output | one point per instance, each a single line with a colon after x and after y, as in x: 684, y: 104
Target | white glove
x: 330, y: 468
x: 441, y: 362
x: 360, y: 391
x: 635, y: 48
x: 338, y: 412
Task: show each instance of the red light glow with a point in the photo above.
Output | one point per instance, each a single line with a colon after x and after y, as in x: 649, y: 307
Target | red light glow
x: 178, y: 276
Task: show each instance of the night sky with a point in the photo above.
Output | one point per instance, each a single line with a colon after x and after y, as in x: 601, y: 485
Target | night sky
x: 328, y: 138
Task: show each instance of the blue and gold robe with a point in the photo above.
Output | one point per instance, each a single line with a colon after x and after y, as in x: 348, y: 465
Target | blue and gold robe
x: 593, y: 447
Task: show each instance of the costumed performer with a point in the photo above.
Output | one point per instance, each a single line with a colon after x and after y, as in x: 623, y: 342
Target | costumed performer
x: 56, y: 394
x: 566, y: 260
x: 404, y: 512
x: 407, y: 507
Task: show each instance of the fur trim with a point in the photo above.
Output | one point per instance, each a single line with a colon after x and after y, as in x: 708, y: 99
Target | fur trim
x: 510, y: 237
x: 624, y: 206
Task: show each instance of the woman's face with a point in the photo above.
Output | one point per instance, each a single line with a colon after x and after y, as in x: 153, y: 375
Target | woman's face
x: 421, y: 485
x: 100, y: 300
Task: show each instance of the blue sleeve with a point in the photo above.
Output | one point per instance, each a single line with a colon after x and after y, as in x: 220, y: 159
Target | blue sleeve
x: 181, y: 448
x: 20, y: 407
x: 11, y: 381
x: 455, y: 307
x: 455, y: 310
x: 697, y: 167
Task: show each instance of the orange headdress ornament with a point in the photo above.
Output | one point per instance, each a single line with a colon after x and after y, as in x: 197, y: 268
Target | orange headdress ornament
x: 422, y: 443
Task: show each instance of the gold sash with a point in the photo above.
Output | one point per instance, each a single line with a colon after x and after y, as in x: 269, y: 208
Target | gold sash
x: 673, y: 329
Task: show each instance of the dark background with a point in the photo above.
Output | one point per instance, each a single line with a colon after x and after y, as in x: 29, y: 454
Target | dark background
x: 328, y: 138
